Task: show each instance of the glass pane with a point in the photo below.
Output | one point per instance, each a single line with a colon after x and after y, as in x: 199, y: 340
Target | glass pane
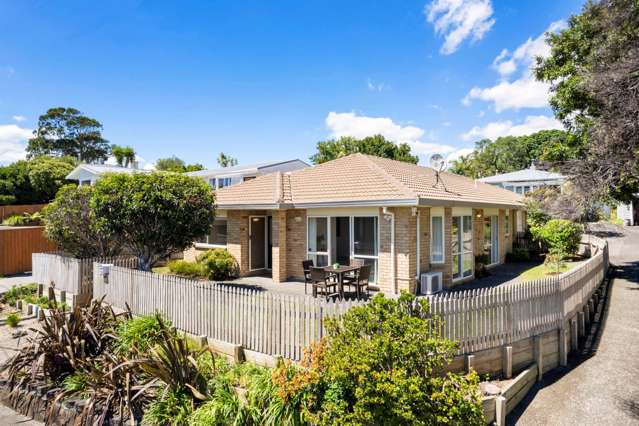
x: 437, y: 237
x: 317, y: 234
x: 488, y: 238
x: 455, y: 234
x: 456, y: 271
x: 468, y: 234
x: 218, y: 232
x: 518, y: 189
x: 365, y: 236
x: 372, y: 277
x: 467, y: 265
x: 495, y: 239
x: 319, y: 259
x: 507, y: 224
x: 509, y: 188
x: 526, y: 189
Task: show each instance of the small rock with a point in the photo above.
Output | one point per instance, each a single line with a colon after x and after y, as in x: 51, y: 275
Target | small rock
x: 489, y: 388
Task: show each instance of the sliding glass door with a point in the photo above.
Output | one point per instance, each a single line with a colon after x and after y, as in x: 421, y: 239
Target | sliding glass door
x: 318, y: 240
x: 491, y: 238
x: 365, y: 242
x: 462, y: 246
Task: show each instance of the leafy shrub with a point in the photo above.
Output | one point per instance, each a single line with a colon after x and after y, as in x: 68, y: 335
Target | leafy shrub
x: 13, y: 320
x: 381, y: 364
x: 16, y: 293
x: 555, y: 261
x: 219, y: 264
x: 518, y: 255
x: 171, y: 408
x: 141, y: 333
x: 187, y: 269
x: 24, y: 219
x: 6, y: 199
x: 560, y: 235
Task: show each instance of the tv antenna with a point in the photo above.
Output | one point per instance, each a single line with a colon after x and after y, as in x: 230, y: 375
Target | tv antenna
x: 437, y: 162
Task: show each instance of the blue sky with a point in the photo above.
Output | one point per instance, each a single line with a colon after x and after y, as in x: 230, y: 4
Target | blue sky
x: 267, y: 80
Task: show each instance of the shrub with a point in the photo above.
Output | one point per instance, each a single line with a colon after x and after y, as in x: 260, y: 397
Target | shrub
x: 6, y: 199
x: 518, y: 255
x: 219, y: 264
x: 381, y: 364
x: 555, y: 261
x: 25, y: 292
x: 170, y: 408
x: 141, y: 333
x: 187, y: 269
x: 13, y: 320
x: 24, y: 219
x: 560, y: 235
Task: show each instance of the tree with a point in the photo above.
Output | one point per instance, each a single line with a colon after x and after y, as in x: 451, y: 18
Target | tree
x: 124, y: 155
x: 373, y: 145
x: 175, y: 164
x: 34, y: 181
x: 155, y: 214
x: 66, y: 132
x: 226, y: 160
x: 511, y: 153
x: 595, y: 85
x: 73, y: 226
x: 381, y: 364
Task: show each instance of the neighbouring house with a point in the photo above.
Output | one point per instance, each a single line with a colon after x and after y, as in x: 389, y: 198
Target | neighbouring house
x: 400, y: 218
x: 527, y: 180
x: 88, y: 174
x: 227, y: 176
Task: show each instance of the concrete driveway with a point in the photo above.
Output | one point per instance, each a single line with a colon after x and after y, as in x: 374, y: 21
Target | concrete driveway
x: 601, y: 385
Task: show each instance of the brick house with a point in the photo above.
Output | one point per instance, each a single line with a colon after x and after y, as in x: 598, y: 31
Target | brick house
x: 398, y: 217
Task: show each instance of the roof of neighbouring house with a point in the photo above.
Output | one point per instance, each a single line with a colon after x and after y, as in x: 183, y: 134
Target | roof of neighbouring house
x: 99, y: 169
x: 360, y: 179
x: 530, y: 174
x: 243, y: 169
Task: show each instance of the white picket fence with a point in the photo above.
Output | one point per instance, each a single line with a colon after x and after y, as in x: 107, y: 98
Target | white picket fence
x: 279, y: 324
x: 71, y: 274
x: 267, y: 322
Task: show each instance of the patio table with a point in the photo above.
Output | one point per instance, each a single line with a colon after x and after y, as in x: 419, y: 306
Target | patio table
x: 340, y: 271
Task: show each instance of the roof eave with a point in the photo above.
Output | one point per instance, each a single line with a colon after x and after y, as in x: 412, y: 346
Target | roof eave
x: 466, y: 203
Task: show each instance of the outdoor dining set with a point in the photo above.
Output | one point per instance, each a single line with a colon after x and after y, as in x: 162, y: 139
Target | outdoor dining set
x: 333, y: 280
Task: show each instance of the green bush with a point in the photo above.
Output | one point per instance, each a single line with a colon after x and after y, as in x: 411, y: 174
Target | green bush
x: 219, y: 264
x: 170, y: 408
x: 560, y: 236
x: 25, y: 292
x: 381, y: 364
x: 141, y: 333
x: 187, y: 269
x: 13, y: 320
x: 24, y: 219
x: 6, y: 199
x: 518, y: 255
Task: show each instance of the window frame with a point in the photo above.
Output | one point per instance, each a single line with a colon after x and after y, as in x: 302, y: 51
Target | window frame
x: 461, y: 251
x: 208, y: 245
x: 443, y: 242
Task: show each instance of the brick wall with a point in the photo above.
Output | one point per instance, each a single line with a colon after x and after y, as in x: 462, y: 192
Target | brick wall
x: 405, y: 248
x: 279, y: 244
x: 478, y: 232
x: 295, y: 243
x: 424, y: 229
x: 384, y: 266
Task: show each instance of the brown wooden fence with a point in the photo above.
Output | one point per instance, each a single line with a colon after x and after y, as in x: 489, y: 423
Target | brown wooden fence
x: 17, y: 244
x: 6, y: 211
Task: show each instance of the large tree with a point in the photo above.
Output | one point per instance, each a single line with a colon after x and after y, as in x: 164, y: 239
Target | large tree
x: 124, y: 155
x: 154, y: 214
x: 175, y: 164
x: 373, y: 145
x: 594, y: 72
x: 511, y: 153
x: 226, y: 160
x: 34, y: 181
x: 67, y: 132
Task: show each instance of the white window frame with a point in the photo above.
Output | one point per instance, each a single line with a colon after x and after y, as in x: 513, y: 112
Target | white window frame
x: 461, y: 253
x: 326, y: 253
x: 443, y: 226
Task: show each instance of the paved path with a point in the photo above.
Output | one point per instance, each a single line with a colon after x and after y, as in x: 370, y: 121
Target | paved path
x: 601, y: 387
x: 7, y: 282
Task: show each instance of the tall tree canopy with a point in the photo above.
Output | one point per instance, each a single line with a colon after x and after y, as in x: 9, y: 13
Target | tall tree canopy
x: 226, y: 160
x: 34, y: 181
x: 67, y: 132
x: 175, y: 164
x: 512, y: 153
x: 373, y: 145
x: 124, y: 155
x: 594, y: 72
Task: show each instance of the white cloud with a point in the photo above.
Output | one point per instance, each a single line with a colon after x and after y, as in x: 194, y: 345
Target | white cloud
x: 19, y: 118
x: 376, y: 87
x: 360, y: 126
x: 13, y: 143
x: 458, y: 153
x: 142, y: 163
x: 532, y: 124
x: 458, y: 20
x: 524, y: 91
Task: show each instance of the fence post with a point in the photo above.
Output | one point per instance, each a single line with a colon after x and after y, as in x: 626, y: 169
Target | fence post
x: 563, y: 345
x: 507, y: 362
x: 582, y: 323
x: 574, y: 334
x: 539, y: 356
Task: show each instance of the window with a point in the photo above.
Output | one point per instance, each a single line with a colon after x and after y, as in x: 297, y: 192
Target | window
x: 365, y: 242
x: 217, y: 236
x: 437, y: 239
x: 212, y: 182
x: 222, y: 182
x: 507, y: 224
x: 518, y: 189
x: 462, y: 246
x: 85, y: 182
x: 318, y: 240
x: 491, y: 238
x: 510, y: 188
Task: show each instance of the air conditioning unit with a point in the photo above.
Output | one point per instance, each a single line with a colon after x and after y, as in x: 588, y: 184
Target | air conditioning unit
x: 430, y: 283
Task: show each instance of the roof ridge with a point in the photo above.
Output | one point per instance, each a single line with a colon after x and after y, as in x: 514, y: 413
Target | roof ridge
x: 390, y: 178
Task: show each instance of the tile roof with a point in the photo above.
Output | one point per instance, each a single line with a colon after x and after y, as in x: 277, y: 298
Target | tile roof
x: 364, y: 180
x: 99, y: 169
x: 531, y: 174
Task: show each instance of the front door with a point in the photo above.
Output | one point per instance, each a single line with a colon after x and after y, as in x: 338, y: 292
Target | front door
x: 257, y: 242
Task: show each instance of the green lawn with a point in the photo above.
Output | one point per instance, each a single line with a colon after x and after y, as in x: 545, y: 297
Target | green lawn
x: 544, y: 271
x: 161, y: 270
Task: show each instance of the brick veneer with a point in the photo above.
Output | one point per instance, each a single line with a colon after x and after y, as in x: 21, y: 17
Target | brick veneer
x: 296, y: 243
x: 478, y: 232
x: 502, y: 236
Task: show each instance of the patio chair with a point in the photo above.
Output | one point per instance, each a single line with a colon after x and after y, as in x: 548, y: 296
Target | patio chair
x: 351, y: 276
x: 324, y: 281
x: 361, y: 281
x: 307, y: 265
